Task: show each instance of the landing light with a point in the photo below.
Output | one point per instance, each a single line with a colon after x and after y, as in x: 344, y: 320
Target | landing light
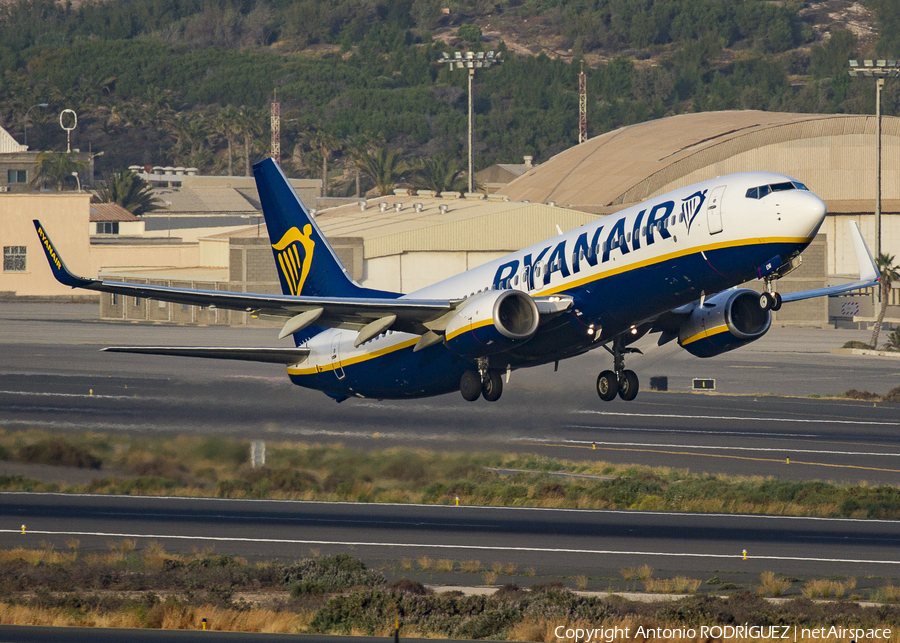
x: 591, y: 329
x: 633, y: 330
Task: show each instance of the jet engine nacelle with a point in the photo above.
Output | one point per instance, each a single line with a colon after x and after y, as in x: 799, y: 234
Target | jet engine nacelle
x: 725, y: 321
x: 492, y: 323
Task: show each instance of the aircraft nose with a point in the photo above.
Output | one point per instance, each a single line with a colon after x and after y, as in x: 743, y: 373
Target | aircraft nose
x: 806, y: 213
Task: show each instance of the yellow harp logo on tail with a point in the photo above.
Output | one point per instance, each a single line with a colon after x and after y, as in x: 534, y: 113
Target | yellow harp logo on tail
x: 294, y: 254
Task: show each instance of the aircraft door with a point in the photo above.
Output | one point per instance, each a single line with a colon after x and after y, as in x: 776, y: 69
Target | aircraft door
x: 714, y: 210
x: 336, y: 356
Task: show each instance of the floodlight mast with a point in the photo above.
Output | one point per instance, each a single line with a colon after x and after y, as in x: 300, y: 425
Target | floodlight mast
x: 472, y: 60
x: 879, y: 70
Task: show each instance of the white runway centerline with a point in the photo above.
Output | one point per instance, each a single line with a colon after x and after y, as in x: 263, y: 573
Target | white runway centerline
x: 737, y: 418
x: 357, y: 543
x: 715, y: 448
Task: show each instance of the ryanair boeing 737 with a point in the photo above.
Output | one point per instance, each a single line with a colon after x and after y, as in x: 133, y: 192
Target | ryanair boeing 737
x: 668, y: 266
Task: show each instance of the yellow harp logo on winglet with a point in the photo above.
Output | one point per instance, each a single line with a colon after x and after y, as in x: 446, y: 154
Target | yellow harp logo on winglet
x: 294, y: 265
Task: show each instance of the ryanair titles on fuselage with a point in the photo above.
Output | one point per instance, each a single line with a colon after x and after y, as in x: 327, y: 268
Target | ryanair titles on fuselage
x: 539, y: 267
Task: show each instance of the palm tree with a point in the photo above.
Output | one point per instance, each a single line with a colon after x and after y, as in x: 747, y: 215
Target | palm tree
x: 248, y: 127
x: 53, y: 170
x: 441, y: 173
x: 130, y: 191
x: 384, y: 167
x: 225, y: 125
x: 890, y: 272
x: 325, y: 144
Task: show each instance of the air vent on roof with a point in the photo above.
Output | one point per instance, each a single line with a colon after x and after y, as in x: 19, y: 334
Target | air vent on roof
x: 444, y: 208
x: 418, y: 207
x: 398, y: 207
x: 382, y: 207
x: 362, y: 205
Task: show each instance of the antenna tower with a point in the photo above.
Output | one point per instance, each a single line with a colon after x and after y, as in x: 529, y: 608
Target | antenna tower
x: 276, y: 129
x: 582, y: 106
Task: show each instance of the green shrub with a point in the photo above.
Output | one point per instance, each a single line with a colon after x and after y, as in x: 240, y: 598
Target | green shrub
x: 856, y: 344
x: 893, y: 395
x: 58, y: 452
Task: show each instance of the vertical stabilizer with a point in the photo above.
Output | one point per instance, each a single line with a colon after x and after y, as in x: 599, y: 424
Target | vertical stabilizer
x: 307, y: 265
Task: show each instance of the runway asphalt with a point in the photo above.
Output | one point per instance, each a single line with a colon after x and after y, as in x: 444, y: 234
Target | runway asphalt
x: 555, y: 543
x: 53, y: 376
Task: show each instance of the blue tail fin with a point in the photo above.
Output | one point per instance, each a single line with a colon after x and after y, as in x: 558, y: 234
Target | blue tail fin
x: 307, y: 265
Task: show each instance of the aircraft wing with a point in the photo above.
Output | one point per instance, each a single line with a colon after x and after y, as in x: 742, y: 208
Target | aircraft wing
x: 369, y: 316
x: 332, y: 312
x: 288, y: 356
x: 869, y: 274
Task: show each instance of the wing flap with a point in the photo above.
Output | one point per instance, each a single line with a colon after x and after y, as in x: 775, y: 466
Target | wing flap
x: 286, y: 356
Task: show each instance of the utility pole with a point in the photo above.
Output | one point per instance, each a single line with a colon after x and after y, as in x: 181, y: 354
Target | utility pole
x: 582, y: 106
x: 276, y: 129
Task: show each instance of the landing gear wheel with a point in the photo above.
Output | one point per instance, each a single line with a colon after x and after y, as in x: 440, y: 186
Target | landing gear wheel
x: 766, y: 300
x: 470, y: 386
x: 607, y: 386
x: 492, y: 386
x: 628, y: 387
x: 778, y: 301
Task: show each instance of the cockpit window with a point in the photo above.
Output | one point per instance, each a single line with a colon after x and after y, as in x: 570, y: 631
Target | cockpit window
x: 765, y: 190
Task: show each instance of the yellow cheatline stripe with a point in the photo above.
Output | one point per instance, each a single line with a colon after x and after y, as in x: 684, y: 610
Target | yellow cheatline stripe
x: 352, y: 360
x: 706, y: 333
x: 667, y: 257
x: 591, y: 447
x: 466, y: 329
x: 560, y: 288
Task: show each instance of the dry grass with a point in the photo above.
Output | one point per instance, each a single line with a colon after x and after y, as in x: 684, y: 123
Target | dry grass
x: 826, y: 588
x: 424, y: 563
x: 677, y: 585
x: 529, y: 571
x: 314, y: 552
x: 497, y: 568
x: 444, y: 565
x: 628, y: 573
x: 771, y: 586
x: 73, y: 543
x: 471, y: 566
x: 581, y: 582
x: 510, y: 568
x: 105, y: 559
x: 489, y: 578
x: 165, y: 616
x: 644, y: 572
x: 887, y: 594
x: 37, y: 556
x: 406, y: 563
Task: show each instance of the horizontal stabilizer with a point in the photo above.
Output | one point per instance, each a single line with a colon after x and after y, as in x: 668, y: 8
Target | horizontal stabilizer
x: 287, y: 356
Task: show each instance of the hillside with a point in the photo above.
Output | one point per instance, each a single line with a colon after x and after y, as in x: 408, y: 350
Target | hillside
x: 169, y: 82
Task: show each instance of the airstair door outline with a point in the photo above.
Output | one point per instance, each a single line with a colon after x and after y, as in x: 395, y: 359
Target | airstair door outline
x: 336, y: 356
x: 714, y: 210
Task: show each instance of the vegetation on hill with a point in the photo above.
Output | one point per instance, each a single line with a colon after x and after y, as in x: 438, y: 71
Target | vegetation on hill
x: 168, y: 82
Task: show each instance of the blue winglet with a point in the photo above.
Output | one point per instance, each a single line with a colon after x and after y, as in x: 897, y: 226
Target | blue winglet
x: 60, y: 272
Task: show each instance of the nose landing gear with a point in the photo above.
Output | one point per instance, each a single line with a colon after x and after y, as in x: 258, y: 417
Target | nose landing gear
x: 620, y: 381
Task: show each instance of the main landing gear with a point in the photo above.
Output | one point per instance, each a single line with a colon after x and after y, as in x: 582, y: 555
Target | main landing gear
x: 620, y: 381
x: 483, y: 382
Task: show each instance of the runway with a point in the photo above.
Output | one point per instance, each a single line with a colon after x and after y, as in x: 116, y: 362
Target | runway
x: 555, y: 543
x: 53, y: 376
